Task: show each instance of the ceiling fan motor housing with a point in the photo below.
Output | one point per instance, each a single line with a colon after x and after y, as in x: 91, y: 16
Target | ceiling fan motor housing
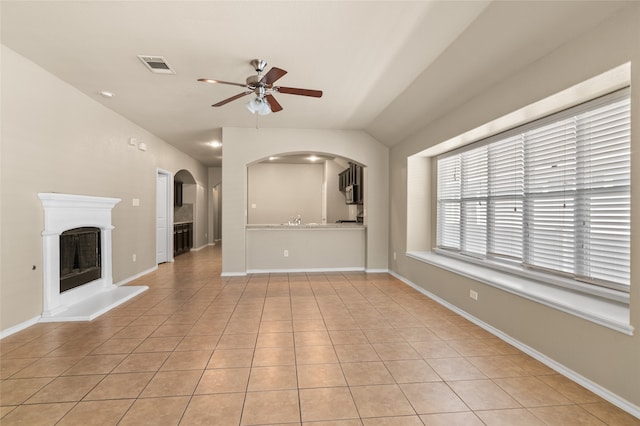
x: 253, y: 80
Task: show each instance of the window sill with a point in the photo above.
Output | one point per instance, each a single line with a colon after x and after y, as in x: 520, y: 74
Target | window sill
x: 608, y: 313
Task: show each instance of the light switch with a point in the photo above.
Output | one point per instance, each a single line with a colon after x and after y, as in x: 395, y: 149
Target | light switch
x: 253, y: 206
x: 135, y: 202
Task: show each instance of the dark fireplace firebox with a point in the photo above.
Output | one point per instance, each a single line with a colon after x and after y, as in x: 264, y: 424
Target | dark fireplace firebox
x: 79, y: 257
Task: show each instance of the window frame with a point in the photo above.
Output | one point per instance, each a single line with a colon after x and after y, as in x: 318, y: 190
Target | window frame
x: 519, y: 266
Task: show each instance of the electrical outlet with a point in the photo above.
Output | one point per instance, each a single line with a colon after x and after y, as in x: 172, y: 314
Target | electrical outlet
x: 134, y: 257
x: 286, y: 253
x: 473, y: 294
x: 394, y: 255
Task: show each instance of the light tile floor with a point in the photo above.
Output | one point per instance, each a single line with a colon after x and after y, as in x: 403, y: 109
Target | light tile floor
x: 341, y: 349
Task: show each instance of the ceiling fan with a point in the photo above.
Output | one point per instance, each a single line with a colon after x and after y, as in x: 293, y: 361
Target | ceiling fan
x: 262, y: 86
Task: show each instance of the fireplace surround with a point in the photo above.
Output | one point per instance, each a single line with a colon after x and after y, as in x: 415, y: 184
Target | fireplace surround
x: 64, y: 212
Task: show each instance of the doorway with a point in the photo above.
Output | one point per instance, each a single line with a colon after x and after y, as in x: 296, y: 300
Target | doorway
x: 164, y: 217
x: 216, y: 211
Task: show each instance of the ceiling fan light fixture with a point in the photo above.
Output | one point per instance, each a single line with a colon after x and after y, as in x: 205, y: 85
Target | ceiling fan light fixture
x: 259, y: 106
x: 264, y: 108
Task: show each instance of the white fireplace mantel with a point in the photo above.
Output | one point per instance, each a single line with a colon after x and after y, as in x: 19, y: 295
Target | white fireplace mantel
x: 63, y: 212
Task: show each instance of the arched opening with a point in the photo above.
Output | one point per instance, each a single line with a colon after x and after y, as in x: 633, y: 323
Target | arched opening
x: 318, y: 187
x: 184, y: 211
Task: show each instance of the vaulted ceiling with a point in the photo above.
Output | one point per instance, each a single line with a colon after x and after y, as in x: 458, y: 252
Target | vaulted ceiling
x: 385, y: 67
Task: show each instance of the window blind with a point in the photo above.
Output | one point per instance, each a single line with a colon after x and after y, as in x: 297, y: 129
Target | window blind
x: 449, y: 199
x: 506, y: 190
x: 553, y: 195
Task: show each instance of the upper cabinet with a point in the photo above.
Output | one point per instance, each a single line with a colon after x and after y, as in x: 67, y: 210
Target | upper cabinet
x: 350, y: 181
x: 177, y: 194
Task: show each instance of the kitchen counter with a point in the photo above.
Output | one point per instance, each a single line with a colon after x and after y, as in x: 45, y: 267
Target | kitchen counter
x: 305, y: 248
x: 347, y: 225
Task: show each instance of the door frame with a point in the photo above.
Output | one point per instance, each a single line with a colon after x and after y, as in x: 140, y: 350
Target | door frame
x: 169, y: 212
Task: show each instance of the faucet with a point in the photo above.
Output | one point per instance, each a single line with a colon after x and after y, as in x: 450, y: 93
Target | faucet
x: 295, y: 220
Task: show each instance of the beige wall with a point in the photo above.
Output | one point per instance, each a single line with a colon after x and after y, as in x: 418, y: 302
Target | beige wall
x: 56, y: 139
x: 604, y: 356
x: 245, y: 146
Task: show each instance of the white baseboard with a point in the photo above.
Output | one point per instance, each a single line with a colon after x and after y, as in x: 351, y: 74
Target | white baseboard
x: 19, y: 327
x: 233, y: 274
x: 201, y: 247
x: 136, y: 276
x: 602, y: 392
x: 302, y: 270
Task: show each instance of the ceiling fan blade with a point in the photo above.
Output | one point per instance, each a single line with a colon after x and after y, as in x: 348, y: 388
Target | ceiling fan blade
x: 273, y: 75
x: 302, y: 92
x: 208, y: 80
x: 233, y: 98
x: 275, y: 106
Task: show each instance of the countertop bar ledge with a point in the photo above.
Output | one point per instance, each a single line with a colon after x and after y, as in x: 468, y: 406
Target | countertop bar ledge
x: 307, y: 226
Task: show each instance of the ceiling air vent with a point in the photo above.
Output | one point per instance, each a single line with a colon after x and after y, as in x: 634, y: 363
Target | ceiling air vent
x: 156, y: 64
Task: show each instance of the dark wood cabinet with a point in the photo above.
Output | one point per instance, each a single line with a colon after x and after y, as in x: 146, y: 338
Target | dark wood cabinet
x: 342, y: 180
x: 182, y: 238
x: 351, y: 182
x: 177, y: 194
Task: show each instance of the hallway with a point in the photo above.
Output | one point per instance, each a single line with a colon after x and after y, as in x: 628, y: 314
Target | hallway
x: 340, y: 349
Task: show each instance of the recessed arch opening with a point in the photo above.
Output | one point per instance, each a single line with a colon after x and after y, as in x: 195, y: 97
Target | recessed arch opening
x: 309, y: 186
